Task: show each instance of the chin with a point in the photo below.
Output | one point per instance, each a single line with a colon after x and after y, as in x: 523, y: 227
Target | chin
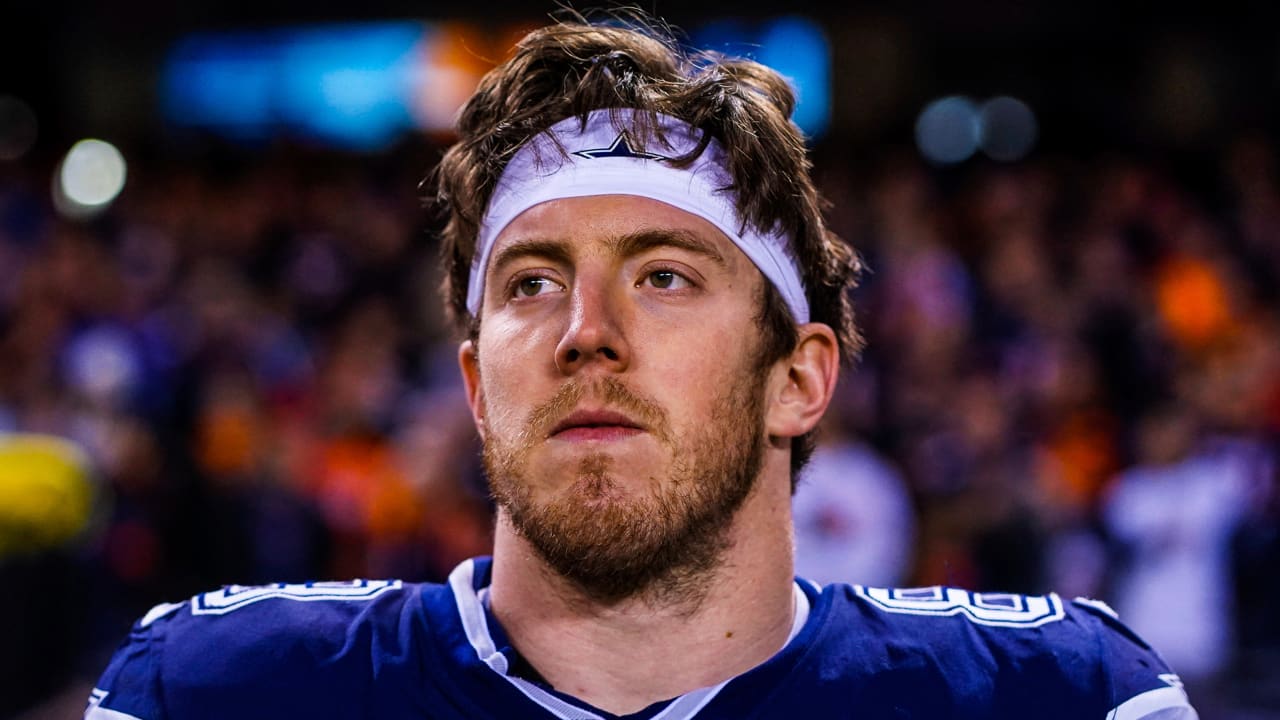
x: 596, y: 489
x: 601, y: 473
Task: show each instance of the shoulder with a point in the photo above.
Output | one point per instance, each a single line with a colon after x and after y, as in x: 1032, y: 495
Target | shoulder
x: 975, y: 640
x: 240, y: 644
x: 1008, y: 651
x: 311, y: 620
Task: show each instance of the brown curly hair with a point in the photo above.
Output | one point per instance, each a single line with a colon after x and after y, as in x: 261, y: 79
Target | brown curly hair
x: 574, y: 67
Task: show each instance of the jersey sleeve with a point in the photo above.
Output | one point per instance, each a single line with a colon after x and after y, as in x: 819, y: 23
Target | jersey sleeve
x: 1142, y: 686
x: 129, y: 688
x: 283, y: 650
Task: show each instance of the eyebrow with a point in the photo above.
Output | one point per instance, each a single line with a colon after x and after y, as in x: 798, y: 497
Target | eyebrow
x: 641, y: 240
x: 553, y: 250
x: 627, y: 245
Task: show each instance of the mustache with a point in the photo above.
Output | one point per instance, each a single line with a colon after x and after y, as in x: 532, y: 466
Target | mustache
x: 611, y: 392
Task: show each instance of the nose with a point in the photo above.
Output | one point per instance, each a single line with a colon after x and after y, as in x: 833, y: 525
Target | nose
x: 594, y: 335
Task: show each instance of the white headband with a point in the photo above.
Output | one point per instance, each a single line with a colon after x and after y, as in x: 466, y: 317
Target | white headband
x: 600, y: 160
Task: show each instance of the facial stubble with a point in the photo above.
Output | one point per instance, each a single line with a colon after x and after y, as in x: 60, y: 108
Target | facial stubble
x: 612, y: 543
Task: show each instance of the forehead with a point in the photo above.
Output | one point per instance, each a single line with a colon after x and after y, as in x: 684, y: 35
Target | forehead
x: 595, y: 223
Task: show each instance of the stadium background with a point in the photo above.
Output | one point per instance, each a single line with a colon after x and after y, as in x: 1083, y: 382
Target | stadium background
x: 1071, y: 212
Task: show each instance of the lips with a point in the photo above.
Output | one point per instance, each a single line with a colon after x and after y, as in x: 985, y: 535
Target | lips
x: 595, y: 424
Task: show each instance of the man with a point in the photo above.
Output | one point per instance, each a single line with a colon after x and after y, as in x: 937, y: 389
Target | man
x: 654, y: 315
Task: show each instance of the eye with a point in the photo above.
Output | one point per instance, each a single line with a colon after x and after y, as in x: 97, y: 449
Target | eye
x: 667, y: 280
x: 534, y: 286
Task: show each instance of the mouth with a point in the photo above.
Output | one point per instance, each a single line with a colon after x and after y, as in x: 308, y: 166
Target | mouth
x: 588, y: 425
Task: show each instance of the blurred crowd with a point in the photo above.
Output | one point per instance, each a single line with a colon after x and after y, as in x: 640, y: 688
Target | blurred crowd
x: 1071, y: 383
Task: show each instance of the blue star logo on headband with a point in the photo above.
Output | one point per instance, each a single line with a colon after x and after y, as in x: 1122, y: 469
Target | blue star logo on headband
x: 621, y: 147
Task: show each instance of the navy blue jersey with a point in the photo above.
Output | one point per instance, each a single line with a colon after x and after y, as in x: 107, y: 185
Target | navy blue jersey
x: 395, y: 651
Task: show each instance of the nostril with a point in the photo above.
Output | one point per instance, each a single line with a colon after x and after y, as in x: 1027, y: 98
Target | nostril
x: 609, y: 353
x: 572, y: 355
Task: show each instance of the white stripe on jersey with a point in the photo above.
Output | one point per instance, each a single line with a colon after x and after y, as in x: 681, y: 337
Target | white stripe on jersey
x: 1149, y: 703
x: 477, y: 628
x: 159, y: 611
x: 101, y: 713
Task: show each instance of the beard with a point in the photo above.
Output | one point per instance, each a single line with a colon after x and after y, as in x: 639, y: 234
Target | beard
x: 660, y: 543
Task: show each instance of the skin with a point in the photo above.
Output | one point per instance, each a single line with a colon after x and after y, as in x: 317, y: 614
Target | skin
x: 572, y: 297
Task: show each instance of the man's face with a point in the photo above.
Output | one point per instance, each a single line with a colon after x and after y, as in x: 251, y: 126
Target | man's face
x: 616, y: 384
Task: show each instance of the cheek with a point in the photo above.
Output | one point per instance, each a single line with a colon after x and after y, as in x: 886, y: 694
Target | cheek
x: 694, y: 370
x: 512, y: 368
x: 705, y: 341
x: 506, y: 340
x: 501, y: 391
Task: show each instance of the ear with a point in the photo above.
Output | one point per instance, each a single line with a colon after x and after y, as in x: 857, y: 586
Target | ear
x: 802, y: 384
x: 469, y: 364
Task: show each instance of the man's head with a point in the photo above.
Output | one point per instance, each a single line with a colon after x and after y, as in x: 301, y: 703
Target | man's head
x: 632, y: 354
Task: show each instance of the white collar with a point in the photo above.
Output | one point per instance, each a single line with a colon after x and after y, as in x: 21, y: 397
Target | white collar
x: 471, y: 609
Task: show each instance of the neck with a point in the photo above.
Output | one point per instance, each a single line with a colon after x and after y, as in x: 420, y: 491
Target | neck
x: 625, y: 656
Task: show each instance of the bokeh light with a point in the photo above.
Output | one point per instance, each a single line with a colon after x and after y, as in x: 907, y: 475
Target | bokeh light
x: 798, y: 48
x: 1008, y: 127
x: 101, y: 364
x: 948, y: 130
x: 89, y: 178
